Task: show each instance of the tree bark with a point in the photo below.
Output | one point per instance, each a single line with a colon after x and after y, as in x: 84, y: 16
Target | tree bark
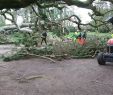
x: 23, y: 3
x: 13, y: 27
x: 15, y: 3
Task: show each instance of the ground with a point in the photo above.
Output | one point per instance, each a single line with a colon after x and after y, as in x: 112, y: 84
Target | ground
x: 68, y: 77
x: 42, y: 77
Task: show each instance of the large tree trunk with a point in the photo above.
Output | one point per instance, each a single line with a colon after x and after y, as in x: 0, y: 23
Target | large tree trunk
x: 11, y: 28
x: 15, y: 3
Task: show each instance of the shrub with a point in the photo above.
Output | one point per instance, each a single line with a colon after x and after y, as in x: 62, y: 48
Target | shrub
x: 94, y: 44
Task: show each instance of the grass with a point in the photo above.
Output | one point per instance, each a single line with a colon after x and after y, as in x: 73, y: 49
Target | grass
x: 99, y: 34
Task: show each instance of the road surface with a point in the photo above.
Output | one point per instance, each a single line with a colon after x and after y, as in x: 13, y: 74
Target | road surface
x: 67, y: 77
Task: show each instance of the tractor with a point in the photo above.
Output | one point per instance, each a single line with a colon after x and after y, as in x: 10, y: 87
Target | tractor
x: 107, y: 56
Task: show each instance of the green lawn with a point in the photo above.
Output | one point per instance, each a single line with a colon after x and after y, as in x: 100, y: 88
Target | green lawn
x: 99, y: 34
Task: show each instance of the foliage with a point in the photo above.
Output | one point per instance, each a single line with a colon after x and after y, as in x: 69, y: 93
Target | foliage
x: 4, y: 39
x: 71, y: 29
x: 91, y: 48
x: 2, y: 22
x: 103, y: 29
x: 16, y: 56
x: 57, y: 32
x: 48, y: 50
x: 23, y: 53
x: 94, y: 44
x: 26, y: 39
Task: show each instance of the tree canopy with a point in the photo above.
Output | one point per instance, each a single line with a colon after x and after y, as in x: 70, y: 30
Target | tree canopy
x: 95, y: 5
x: 23, y: 3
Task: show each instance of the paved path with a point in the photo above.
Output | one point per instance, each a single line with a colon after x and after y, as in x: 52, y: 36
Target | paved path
x: 4, y: 49
x: 67, y: 77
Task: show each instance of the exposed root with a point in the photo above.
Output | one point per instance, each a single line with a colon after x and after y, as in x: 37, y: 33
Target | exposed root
x: 39, y: 56
x: 27, y: 78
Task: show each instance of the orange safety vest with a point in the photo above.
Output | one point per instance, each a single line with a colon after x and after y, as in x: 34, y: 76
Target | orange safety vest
x: 81, y: 41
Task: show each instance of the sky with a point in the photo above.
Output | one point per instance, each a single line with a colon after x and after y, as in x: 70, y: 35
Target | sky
x: 82, y: 13
x: 83, y: 0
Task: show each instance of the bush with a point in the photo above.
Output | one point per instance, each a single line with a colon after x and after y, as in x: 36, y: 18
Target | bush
x: 94, y: 44
x: 25, y: 53
x: 26, y: 39
x: 4, y: 39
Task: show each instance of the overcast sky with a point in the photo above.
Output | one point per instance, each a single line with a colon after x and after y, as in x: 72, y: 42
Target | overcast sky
x: 82, y: 13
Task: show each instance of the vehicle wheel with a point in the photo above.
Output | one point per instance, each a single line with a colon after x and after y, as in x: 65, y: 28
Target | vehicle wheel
x: 100, y: 59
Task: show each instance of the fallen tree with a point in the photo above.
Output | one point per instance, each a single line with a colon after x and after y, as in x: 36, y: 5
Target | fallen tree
x: 13, y: 28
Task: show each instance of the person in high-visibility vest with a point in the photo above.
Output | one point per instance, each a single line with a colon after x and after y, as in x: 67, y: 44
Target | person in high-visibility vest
x: 112, y: 35
x: 81, y: 38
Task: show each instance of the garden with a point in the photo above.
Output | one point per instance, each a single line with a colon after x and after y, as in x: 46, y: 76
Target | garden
x: 59, y: 48
x: 56, y: 47
x: 23, y: 28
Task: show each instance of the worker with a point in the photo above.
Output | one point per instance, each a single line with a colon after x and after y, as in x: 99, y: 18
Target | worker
x: 81, y: 38
x: 44, y: 36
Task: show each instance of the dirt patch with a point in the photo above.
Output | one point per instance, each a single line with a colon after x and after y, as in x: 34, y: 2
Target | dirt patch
x: 67, y: 77
x: 6, y: 48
